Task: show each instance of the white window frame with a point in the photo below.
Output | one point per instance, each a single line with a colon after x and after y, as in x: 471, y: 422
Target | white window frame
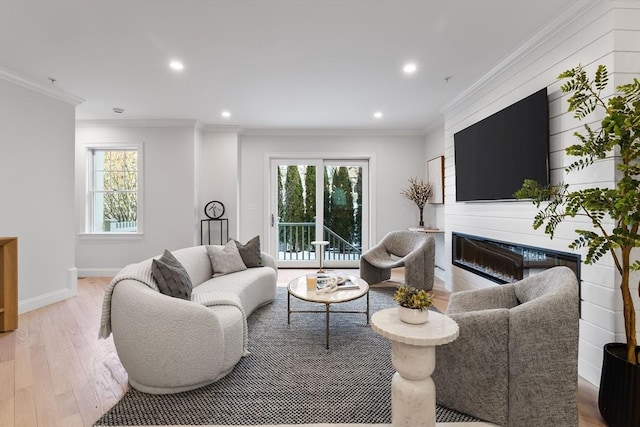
x: 89, y: 150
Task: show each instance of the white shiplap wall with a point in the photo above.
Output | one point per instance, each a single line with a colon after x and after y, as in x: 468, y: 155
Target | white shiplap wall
x: 606, y: 33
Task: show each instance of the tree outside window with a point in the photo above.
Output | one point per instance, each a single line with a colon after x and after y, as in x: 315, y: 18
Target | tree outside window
x: 114, y: 191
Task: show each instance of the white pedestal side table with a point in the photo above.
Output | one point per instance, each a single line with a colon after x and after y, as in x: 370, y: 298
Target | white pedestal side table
x: 413, y: 353
x: 320, y: 244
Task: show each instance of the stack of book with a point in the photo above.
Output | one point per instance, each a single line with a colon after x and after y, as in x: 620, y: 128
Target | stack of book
x: 339, y: 281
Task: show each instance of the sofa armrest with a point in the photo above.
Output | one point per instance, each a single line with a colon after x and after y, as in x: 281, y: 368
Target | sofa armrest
x: 268, y: 261
x: 472, y: 372
x: 165, y: 342
x: 503, y: 296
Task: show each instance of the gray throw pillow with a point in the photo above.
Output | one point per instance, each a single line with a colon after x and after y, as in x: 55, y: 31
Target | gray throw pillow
x: 171, y: 276
x: 250, y: 252
x: 225, y: 260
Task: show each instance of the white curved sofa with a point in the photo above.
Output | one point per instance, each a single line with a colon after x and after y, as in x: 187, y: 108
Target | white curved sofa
x: 170, y: 345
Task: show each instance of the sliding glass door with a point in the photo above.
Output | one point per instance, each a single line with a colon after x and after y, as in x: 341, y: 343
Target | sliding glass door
x: 319, y: 200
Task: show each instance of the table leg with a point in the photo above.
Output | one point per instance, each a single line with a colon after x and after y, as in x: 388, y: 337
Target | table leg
x: 288, y: 308
x: 367, y: 307
x: 326, y: 330
x: 413, y: 392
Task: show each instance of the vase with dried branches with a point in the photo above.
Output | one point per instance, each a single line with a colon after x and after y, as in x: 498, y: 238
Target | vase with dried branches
x: 419, y: 192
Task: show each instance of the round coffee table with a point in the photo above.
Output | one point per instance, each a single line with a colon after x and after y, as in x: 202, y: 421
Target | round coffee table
x: 298, y: 288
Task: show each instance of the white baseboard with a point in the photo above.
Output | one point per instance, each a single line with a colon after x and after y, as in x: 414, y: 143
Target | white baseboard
x: 70, y: 290
x: 72, y: 280
x: 589, y: 372
x: 98, y: 272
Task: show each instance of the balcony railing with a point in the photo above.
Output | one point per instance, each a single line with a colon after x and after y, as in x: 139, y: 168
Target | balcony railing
x: 111, y: 225
x: 295, y: 243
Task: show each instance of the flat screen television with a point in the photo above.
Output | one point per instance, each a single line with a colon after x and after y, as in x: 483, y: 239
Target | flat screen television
x: 494, y: 156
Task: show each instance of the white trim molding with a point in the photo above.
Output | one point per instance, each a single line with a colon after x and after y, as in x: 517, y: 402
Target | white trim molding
x: 563, y: 20
x: 98, y: 272
x: 50, y: 91
x: 70, y: 290
x: 333, y: 132
x: 88, y: 147
x: 151, y: 123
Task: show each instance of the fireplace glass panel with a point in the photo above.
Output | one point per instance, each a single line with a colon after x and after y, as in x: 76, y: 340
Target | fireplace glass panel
x: 504, y: 262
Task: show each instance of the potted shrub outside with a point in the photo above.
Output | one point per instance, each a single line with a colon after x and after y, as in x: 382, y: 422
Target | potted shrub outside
x: 418, y: 192
x: 414, y: 304
x: 617, y: 137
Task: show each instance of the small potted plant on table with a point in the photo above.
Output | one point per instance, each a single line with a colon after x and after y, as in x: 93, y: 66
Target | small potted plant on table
x: 414, y: 304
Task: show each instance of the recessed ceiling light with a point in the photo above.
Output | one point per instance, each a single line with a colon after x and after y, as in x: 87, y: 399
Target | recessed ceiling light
x: 377, y: 114
x: 226, y: 114
x: 176, y: 65
x: 410, y: 68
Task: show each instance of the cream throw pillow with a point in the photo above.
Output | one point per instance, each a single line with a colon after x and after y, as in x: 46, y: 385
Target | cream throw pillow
x: 225, y: 260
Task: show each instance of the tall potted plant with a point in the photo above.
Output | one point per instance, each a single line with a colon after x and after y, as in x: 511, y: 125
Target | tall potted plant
x: 617, y: 137
x: 419, y: 192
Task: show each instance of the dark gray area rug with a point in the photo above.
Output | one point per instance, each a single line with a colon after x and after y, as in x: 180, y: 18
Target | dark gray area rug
x: 289, y: 377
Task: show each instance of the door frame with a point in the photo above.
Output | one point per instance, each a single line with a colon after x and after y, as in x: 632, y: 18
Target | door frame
x: 368, y: 235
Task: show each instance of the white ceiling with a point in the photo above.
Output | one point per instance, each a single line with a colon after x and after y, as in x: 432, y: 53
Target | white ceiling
x: 271, y: 63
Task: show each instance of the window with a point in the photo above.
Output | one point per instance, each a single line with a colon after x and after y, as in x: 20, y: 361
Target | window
x: 114, y: 189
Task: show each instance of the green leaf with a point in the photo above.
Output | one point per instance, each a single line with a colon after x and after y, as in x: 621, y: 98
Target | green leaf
x: 602, y: 77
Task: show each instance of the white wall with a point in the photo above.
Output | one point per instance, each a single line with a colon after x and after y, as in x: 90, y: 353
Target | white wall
x: 217, y: 178
x: 169, y: 194
x: 185, y: 167
x: 607, y: 34
x: 394, y: 159
x: 36, y: 191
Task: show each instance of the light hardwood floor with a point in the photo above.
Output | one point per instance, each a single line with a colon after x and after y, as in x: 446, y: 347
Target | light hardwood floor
x: 54, y: 371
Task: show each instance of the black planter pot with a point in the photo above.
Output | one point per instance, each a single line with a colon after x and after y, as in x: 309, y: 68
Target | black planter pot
x: 619, y: 395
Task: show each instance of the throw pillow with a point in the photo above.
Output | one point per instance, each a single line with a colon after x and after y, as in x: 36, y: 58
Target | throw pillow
x: 225, y: 260
x: 171, y: 276
x: 250, y: 252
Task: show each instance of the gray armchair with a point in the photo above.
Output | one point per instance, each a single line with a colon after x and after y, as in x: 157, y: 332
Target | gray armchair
x: 515, y: 362
x: 411, y: 249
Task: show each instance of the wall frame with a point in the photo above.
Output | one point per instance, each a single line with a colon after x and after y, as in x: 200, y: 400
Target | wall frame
x: 435, y: 176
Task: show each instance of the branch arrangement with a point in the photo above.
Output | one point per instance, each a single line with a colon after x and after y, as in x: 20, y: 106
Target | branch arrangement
x: 418, y: 192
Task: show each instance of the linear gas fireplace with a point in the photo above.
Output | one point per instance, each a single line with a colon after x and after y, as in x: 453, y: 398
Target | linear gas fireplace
x: 504, y: 262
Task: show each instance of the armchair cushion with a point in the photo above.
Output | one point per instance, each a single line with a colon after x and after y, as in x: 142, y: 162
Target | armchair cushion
x: 482, y: 299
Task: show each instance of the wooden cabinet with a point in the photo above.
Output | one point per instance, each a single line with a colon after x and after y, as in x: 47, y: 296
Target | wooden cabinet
x: 8, y: 283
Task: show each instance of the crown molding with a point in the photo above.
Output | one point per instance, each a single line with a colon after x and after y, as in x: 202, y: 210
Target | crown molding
x: 435, y: 124
x: 203, y: 127
x: 332, y: 132
x: 577, y: 9
x: 132, y: 123
x: 221, y: 128
x: 49, y: 91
